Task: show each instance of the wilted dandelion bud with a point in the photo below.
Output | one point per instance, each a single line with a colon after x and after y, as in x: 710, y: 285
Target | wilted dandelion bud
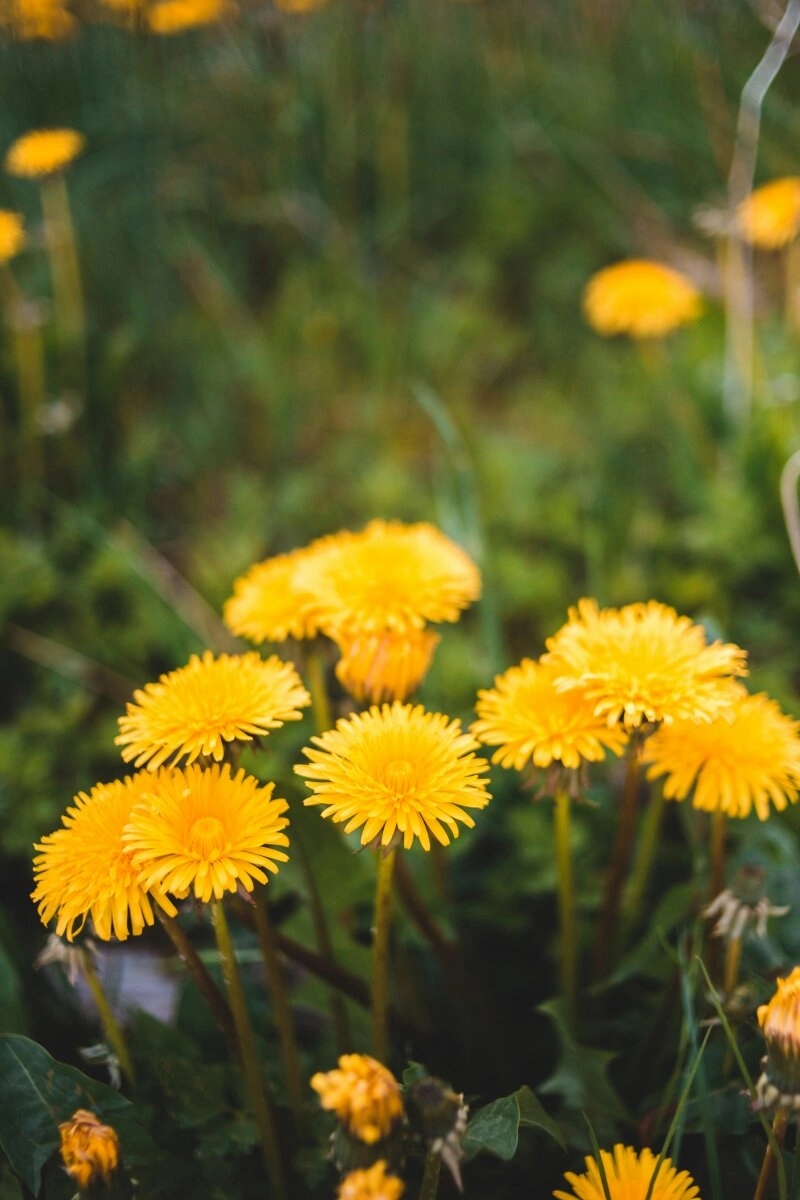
x: 745, y: 903
x: 779, y: 1084
x: 367, y: 1099
x: 372, y: 1184
x: 438, y: 1116
x: 89, y: 1149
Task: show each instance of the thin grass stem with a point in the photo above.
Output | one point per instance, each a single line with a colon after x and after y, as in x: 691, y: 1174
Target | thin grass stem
x: 636, y: 892
x: 112, y: 1027
x: 281, y: 1006
x: 380, y: 954
x: 620, y: 858
x: 201, y: 978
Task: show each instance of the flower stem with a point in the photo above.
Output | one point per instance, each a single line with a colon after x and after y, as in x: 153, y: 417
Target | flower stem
x: 25, y: 321
x: 380, y: 954
x: 430, y: 1177
x: 566, y: 902
x: 620, y: 858
x: 281, y: 1007
x: 60, y: 236
x: 201, y: 977
x: 733, y: 953
x: 315, y: 673
x: 719, y: 827
x: 779, y: 1123
x: 632, y: 905
x: 113, y: 1029
x: 336, y: 1004
x: 260, y: 1098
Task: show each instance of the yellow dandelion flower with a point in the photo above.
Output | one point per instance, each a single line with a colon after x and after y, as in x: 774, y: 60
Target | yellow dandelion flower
x: 371, y: 1184
x: 49, y: 20
x: 779, y: 1084
x: 208, y: 703
x: 384, y: 666
x: 644, y: 663
x: 531, y: 721
x: 389, y: 576
x: 207, y: 832
x: 85, y: 870
x: 267, y: 605
x: 12, y: 234
x: 89, y: 1149
x: 770, y: 217
x: 365, y: 1096
x: 641, y: 298
x: 628, y: 1175
x: 43, y: 152
x: 397, y: 769
x: 175, y: 16
x: 746, y: 757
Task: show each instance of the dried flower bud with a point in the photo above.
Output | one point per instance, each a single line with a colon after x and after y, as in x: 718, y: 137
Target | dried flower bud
x: 779, y: 1084
x: 438, y: 1116
x: 743, y: 904
x: 89, y: 1149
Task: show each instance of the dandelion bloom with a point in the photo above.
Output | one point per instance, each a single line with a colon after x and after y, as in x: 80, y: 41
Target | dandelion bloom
x: 207, y: 832
x: 628, y: 1175
x: 175, y: 16
x: 397, y: 769
x: 85, y: 869
x: 89, y: 1149
x: 43, y: 152
x: 365, y: 1096
x: 371, y: 1184
x: 211, y: 701
x: 49, y: 20
x: 531, y: 721
x: 746, y: 757
x: 641, y: 298
x: 770, y: 217
x: 12, y: 234
x: 384, y: 666
x: 779, y: 1084
x: 299, y: 6
x: 267, y: 605
x: 644, y: 663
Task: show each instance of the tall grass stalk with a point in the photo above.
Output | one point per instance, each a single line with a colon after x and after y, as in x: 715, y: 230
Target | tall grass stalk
x: 112, y: 1027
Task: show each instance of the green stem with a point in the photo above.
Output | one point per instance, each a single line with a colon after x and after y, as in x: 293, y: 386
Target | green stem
x: 719, y: 827
x: 380, y: 954
x: 315, y: 674
x: 779, y: 1123
x: 633, y: 902
x: 336, y: 1004
x: 25, y: 322
x: 430, y: 1177
x: 281, y: 1007
x: 260, y: 1099
x: 67, y: 287
x: 200, y: 977
x: 620, y: 858
x: 112, y: 1028
x: 566, y: 903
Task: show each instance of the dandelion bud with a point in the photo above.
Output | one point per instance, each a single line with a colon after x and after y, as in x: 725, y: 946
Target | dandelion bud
x: 438, y: 1116
x: 779, y: 1084
x: 89, y: 1149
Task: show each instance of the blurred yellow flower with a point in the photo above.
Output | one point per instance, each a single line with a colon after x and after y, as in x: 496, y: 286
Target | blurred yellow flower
x: 770, y: 216
x: 745, y: 758
x: 175, y: 16
x: 397, y: 770
x: 208, y: 703
x: 43, y: 152
x: 628, y: 1174
x: 89, y: 1149
x: 371, y: 1184
x: 779, y: 1084
x: 300, y: 6
x: 206, y: 832
x: 49, y: 20
x: 384, y: 666
x: 365, y: 1096
x: 641, y: 298
x: 85, y: 870
x: 531, y: 721
x: 12, y: 234
x: 644, y: 663
x: 267, y: 605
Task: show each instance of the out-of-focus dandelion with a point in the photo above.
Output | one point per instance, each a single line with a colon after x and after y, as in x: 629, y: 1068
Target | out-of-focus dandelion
x: 384, y: 666
x: 43, y: 152
x: 170, y: 17
x: 47, y: 20
x: 372, y: 1183
x: 300, y: 6
x: 89, y: 1149
x: 12, y: 234
x: 770, y: 216
x: 640, y: 298
x: 364, y: 1094
x: 628, y: 1174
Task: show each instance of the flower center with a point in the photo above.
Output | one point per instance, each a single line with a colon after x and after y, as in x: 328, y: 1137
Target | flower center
x: 399, y: 776
x: 207, y: 838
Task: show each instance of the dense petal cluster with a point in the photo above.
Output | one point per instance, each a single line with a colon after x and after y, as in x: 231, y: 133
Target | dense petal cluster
x: 85, y: 869
x: 770, y: 217
x: 628, y: 1174
x: 386, y: 665
x: 746, y: 758
x: 530, y: 720
x: 89, y: 1149
x: 371, y: 1184
x: 12, y: 234
x: 268, y: 604
x: 43, y: 152
x: 169, y: 17
x: 208, y: 703
x: 643, y: 663
x: 207, y: 832
x: 641, y: 298
x: 365, y: 1096
x: 779, y: 1084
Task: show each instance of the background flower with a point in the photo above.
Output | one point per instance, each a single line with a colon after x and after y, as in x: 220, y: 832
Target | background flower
x: 364, y: 1094
x: 641, y: 298
x: 628, y: 1174
x: 43, y: 151
x: 770, y: 216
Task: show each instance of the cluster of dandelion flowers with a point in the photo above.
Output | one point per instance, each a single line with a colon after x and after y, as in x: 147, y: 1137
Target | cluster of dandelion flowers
x: 628, y: 1176
x: 89, y: 1149
x: 640, y: 298
x: 85, y: 869
x: 365, y: 1096
x: 201, y: 707
x: 12, y: 234
x: 770, y: 217
x: 531, y: 721
x: 207, y: 833
x: 747, y: 758
x: 779, y: 1084
x: 268, y: 604
x: 397, y: 771
x: 373, y: 1183
x: 43, y: 152
x: 644, y: 664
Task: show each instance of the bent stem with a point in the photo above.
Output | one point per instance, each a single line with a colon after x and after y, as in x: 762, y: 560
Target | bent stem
x: 112, y: 1027
x: 620, y: 858
x: 380, y: 954
x: 566, y: 902
x: 281, y: 1007
x: 201, y: 978
x: 779, y: 1124
x: 260, y: 1099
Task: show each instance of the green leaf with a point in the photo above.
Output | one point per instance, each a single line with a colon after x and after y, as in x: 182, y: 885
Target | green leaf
x: 531, y: 1113
x: 413, y: 1072
x: 496, y: 1127
x: 581, y: 1078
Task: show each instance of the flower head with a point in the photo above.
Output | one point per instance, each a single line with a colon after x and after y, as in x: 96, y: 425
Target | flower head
x: 641, y: 298
x: 644, y: 663
x: 531, y: 721
x: 384, y: 666
x: 169, y: 17
x: 365, y: 1096
x: 211, y: 701
x: 397, y: 770
x: 49, y: 20
x: 770, y: 216
x: 779, y: 1084
x: 12, y: 234
x: 371, y: 1184
x: 206, y: 832
x: 89, y: 1149
x: 43, y: 152
x: 268, y: 605
x: 628, y: 1176
x: 84, y: 869
x: 745, y: 758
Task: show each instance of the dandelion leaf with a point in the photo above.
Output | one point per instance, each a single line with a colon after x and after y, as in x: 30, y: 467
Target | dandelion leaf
x: 495, y: 1128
